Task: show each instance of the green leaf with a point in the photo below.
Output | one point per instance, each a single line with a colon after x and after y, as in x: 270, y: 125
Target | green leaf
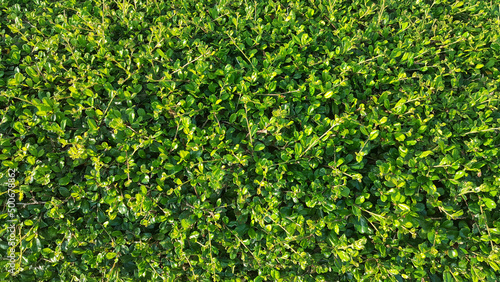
x: 360, y: 200
x: 92, y: 124
x: 259, y: 146
x: 110, y: 255
x: 328, y: 94
x: 189, y: 101
x: 275, y: 274
x: 183, y: 154
x: 251, y: 233
x: 447, y: 277
x: 431, y: 236
x: 490, y: 63
x: 459, y: 174
x: 404, y: 207
x: 399, y: 136
x: 64, y: 181
x: 64, y: 191
x: 494, y: 265
x: 363, y: 226
x: 19, y: 78
x: 19, y: 127
x: 374, y: 134
x: 345, y: 192
x: 336, y: 229
x: 46, y: 252
x: 490, y: 204
x: 425, y: 154
x: 343, y: 256
x: 363, y: 130
x: 298, y: 149
x: 31, y: 72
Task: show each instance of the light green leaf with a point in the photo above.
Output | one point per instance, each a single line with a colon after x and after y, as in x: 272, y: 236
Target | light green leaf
x: 490, y: 204
x: 92, y: 124
x: 298, y: 149
x: 404, y: 207
x: 425, y: 154
x: 447, y: 277
x: 399, y: 136
x: 459, y: 174
x: 374, y: 134
x: 259, y: 146
x: 110, y: 255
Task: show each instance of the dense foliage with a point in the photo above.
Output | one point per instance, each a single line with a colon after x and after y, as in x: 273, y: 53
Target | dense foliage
x: 224, y: 140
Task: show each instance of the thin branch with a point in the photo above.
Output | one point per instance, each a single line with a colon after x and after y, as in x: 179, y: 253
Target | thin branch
x: 20, y: 99
x: 234, y: 42
x: 190, y: 62
x: 278, y: 94
x: 316, y: 141
x: 248, y: 125
x: 484, y: 130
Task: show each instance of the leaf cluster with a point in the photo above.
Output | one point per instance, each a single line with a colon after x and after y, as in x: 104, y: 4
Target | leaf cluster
x: 252, y: 141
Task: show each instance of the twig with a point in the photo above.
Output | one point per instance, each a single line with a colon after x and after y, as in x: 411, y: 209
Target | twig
x: 107, y: 108
x: 487, y: 228
x: 234, y: 42
x: 128, y: 168
x: 190, y: 62
x: 278, y: 94
x: 484, y: 130
x: 34, y: 203
x: 20, y: 99
x: 314, y: 143
x: 248, y: 125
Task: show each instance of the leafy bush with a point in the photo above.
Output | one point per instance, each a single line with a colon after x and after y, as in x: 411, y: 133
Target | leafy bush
x: 252, y: 141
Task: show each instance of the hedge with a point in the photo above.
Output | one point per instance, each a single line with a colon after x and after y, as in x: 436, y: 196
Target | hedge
x: 298, y: 140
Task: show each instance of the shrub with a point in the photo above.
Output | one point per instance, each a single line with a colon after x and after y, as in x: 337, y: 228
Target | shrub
x: 251, y: 141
